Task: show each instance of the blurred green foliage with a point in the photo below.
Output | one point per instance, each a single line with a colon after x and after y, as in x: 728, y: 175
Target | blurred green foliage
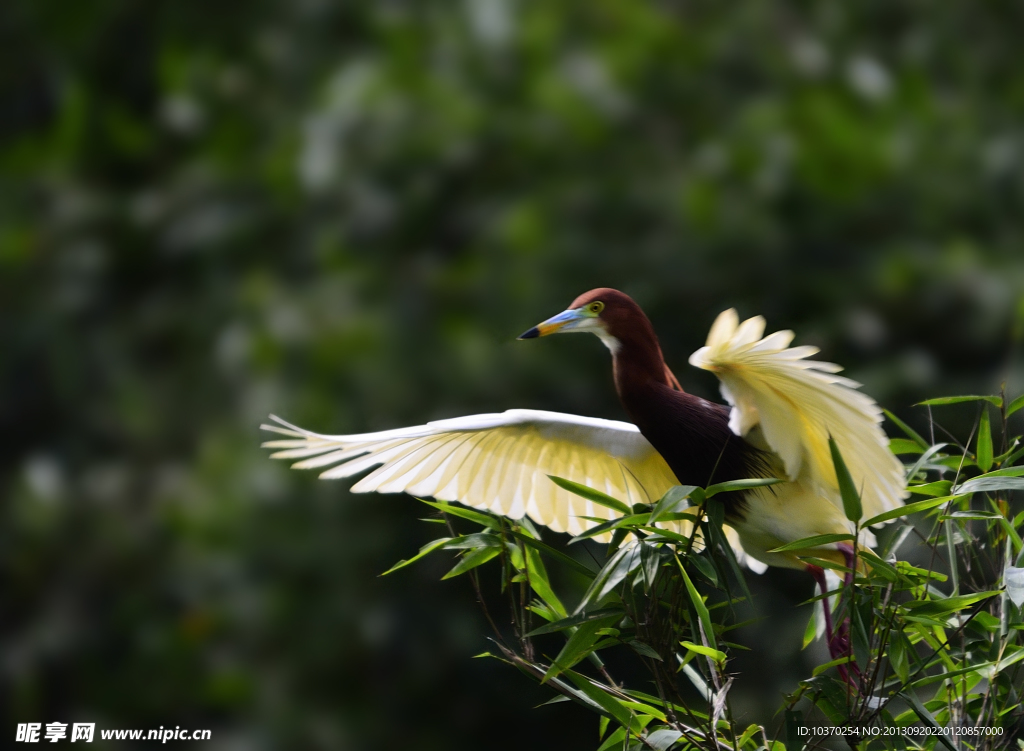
x: 343, y: 213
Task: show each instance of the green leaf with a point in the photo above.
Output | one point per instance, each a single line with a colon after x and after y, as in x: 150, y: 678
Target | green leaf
x: 704, y: 566
x: 1015, y: 405
x: 984, y: 444
x: 811, y: 631
x: 430, y: 547
x: 939, y: 487
x: 971, y: 515
x: 898, y: 650
x: 926, y: 717
x: 591, y: 495
x: 878, y: 566
x: 645, y: 649
x: 812, y: 542
x: 932, y: 608
x: 910, y: 508
x: 540, y: 583
x: 480, y: 518
x: 636, y: 520
x: 989, y: 483
x: 580, y: 643
x: 822, y: 563
x: 663, y: 738
x: 731, y: 485
x: 668, y: 503
x: 615, y: 741
x: 904, y: 446
x: 981, y: 668
x: 612, y: 706
x: 555, y: 553
x: 650, y: 561
x: 794, y: 720
x: 993, y: 400
x: 923, y: 459
x: 847, y: 488
x: 1005, y: 472
x: 911, y: 433
x: 1010, y: 659
x: 475, y: 540
x: 699, y: 606
x: 576, y: 620
x: 471, y: 560
x: 747, y: 735
x: 822, y: 668
x: 700, y: 649
x: 618, y: 567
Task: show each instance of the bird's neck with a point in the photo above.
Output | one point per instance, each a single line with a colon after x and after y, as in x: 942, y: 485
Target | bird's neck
x: 638, y: 364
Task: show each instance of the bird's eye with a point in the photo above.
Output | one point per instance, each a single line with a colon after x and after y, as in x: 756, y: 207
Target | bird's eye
x: 596, y: 307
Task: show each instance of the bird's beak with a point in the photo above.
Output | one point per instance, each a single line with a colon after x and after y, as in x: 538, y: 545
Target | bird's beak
x: 565, y: 321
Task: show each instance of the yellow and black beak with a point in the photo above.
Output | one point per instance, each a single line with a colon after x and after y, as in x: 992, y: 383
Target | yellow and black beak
x: 565, y: 321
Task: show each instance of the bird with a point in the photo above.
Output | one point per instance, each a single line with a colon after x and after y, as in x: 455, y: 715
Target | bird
x: 782, y: 411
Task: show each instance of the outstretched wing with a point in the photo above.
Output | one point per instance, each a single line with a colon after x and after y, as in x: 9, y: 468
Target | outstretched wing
x: 798, y: 404
x: 495, y: 462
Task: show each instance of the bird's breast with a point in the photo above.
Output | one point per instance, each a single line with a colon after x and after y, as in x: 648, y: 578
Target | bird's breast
x: 693, y: 436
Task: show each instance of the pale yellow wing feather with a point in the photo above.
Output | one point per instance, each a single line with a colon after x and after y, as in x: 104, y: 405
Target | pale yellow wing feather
x: 798, y: 404
x: 496, y: 462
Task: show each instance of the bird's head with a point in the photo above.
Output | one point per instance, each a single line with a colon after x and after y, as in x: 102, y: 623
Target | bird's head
x: 608, y: 313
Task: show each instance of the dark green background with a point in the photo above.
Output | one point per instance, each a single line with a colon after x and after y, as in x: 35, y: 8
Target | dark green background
x: 343, y: 213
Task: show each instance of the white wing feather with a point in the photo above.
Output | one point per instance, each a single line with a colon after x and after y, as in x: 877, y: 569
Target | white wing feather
x: 798, y: 403
x: 495, y: 462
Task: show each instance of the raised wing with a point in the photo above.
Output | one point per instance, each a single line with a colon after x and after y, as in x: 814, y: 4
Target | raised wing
x: 495, y: 462
x: 798, y: 403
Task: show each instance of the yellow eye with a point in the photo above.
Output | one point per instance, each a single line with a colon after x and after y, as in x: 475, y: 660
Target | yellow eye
x: 595, y: 307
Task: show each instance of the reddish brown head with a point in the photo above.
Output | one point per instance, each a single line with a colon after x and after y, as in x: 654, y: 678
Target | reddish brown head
x: 620, y: 323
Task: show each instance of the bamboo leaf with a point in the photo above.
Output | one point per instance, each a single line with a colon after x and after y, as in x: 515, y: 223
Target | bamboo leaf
x: 812, y: 542
x: 811, y: 631
x: 476, y: 516
x: 612, y: 706
x: 910, y: 508
x: 427, y: 549
x: 926, y: 717
x: 904, y: 446
x: 591, y: 495
x: 840, y: 661
x: 995, y: 401
x: 475, y: 540
x: 924, y: 458
x: 580, y: 643
x: 650, y: 561
x: 983, y: 450
x: 847, y: 488
x: 614, y: 571
x: 699, y: 606
x: 576, y: 620
x: 931, y: 608
x: 668, y: 502
x: 911, y: 433
x: 645, y: 650
x: 555, y: 553
x: 471, y: 560
x: 989, y: 483
x: 663, y: 738
x: 539, y: 581
x: 937, y: 488
x: 1015, y: 405
x: 623, y: 521
x: 700, y: 649
x: 732, y: 485
x: 898, y: 650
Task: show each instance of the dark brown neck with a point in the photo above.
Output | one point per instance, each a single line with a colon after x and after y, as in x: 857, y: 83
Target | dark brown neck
x: 638, y: 362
